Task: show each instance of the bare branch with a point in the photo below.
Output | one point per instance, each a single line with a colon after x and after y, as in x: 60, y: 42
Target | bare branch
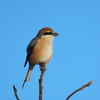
x: 42, y: 68
x: 15, y: 92
x: 81, y: 88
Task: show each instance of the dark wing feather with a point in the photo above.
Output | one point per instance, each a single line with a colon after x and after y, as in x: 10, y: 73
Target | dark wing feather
x: 30, y: 48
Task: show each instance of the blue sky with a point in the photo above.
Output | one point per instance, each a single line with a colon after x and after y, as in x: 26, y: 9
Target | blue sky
x: 76, y: 51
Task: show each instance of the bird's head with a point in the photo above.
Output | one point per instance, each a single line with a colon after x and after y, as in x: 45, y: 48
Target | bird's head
x: 47, y: 32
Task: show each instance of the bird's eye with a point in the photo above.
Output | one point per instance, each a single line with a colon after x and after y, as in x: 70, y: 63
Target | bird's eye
x: 48, y: 33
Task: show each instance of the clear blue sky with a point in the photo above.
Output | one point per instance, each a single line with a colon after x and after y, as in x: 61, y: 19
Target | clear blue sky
x: 76, y: 51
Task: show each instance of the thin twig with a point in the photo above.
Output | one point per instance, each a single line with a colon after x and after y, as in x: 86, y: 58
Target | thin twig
x: 81, y: 88
x: 15, y: 92
x: 42, y: 68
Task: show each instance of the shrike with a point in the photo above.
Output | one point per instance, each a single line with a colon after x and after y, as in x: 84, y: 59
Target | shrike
x: 39, y: 50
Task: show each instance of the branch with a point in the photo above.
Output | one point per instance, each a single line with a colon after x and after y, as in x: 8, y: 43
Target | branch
x: 86, y: 85
x: 15, y: 92
x: 42, y: 68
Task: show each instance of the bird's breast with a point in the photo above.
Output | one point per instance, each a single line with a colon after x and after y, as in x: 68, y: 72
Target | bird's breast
x: 42, y: 52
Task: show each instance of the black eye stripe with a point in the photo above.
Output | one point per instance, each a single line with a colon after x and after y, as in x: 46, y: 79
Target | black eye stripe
x: 48, y: 33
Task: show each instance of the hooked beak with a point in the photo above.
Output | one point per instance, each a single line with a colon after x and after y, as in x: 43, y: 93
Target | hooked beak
x: 55, y: 34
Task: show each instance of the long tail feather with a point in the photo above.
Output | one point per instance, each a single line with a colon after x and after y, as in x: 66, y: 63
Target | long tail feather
x: 27, y: 76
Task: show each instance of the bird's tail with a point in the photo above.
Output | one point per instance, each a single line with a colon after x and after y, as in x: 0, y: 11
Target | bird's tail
x: 27, y: 78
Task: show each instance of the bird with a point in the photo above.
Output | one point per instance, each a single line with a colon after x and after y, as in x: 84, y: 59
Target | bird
x: 39, y: 50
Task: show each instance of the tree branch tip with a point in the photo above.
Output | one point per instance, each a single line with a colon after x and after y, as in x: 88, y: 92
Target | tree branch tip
x: 15, y: 90
x: 81, y: 88
x: 91, y: 81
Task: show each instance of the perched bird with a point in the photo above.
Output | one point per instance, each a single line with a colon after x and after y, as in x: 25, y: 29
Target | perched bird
x: 39, y: 50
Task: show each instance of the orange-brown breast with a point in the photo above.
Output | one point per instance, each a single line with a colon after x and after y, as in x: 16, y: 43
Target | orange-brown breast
x: 42, y: 52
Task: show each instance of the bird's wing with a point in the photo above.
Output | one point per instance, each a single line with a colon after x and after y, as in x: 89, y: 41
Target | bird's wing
x: 30, y: 48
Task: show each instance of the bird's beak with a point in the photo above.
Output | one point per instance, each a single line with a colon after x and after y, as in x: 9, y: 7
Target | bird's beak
x: 55, y: 34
